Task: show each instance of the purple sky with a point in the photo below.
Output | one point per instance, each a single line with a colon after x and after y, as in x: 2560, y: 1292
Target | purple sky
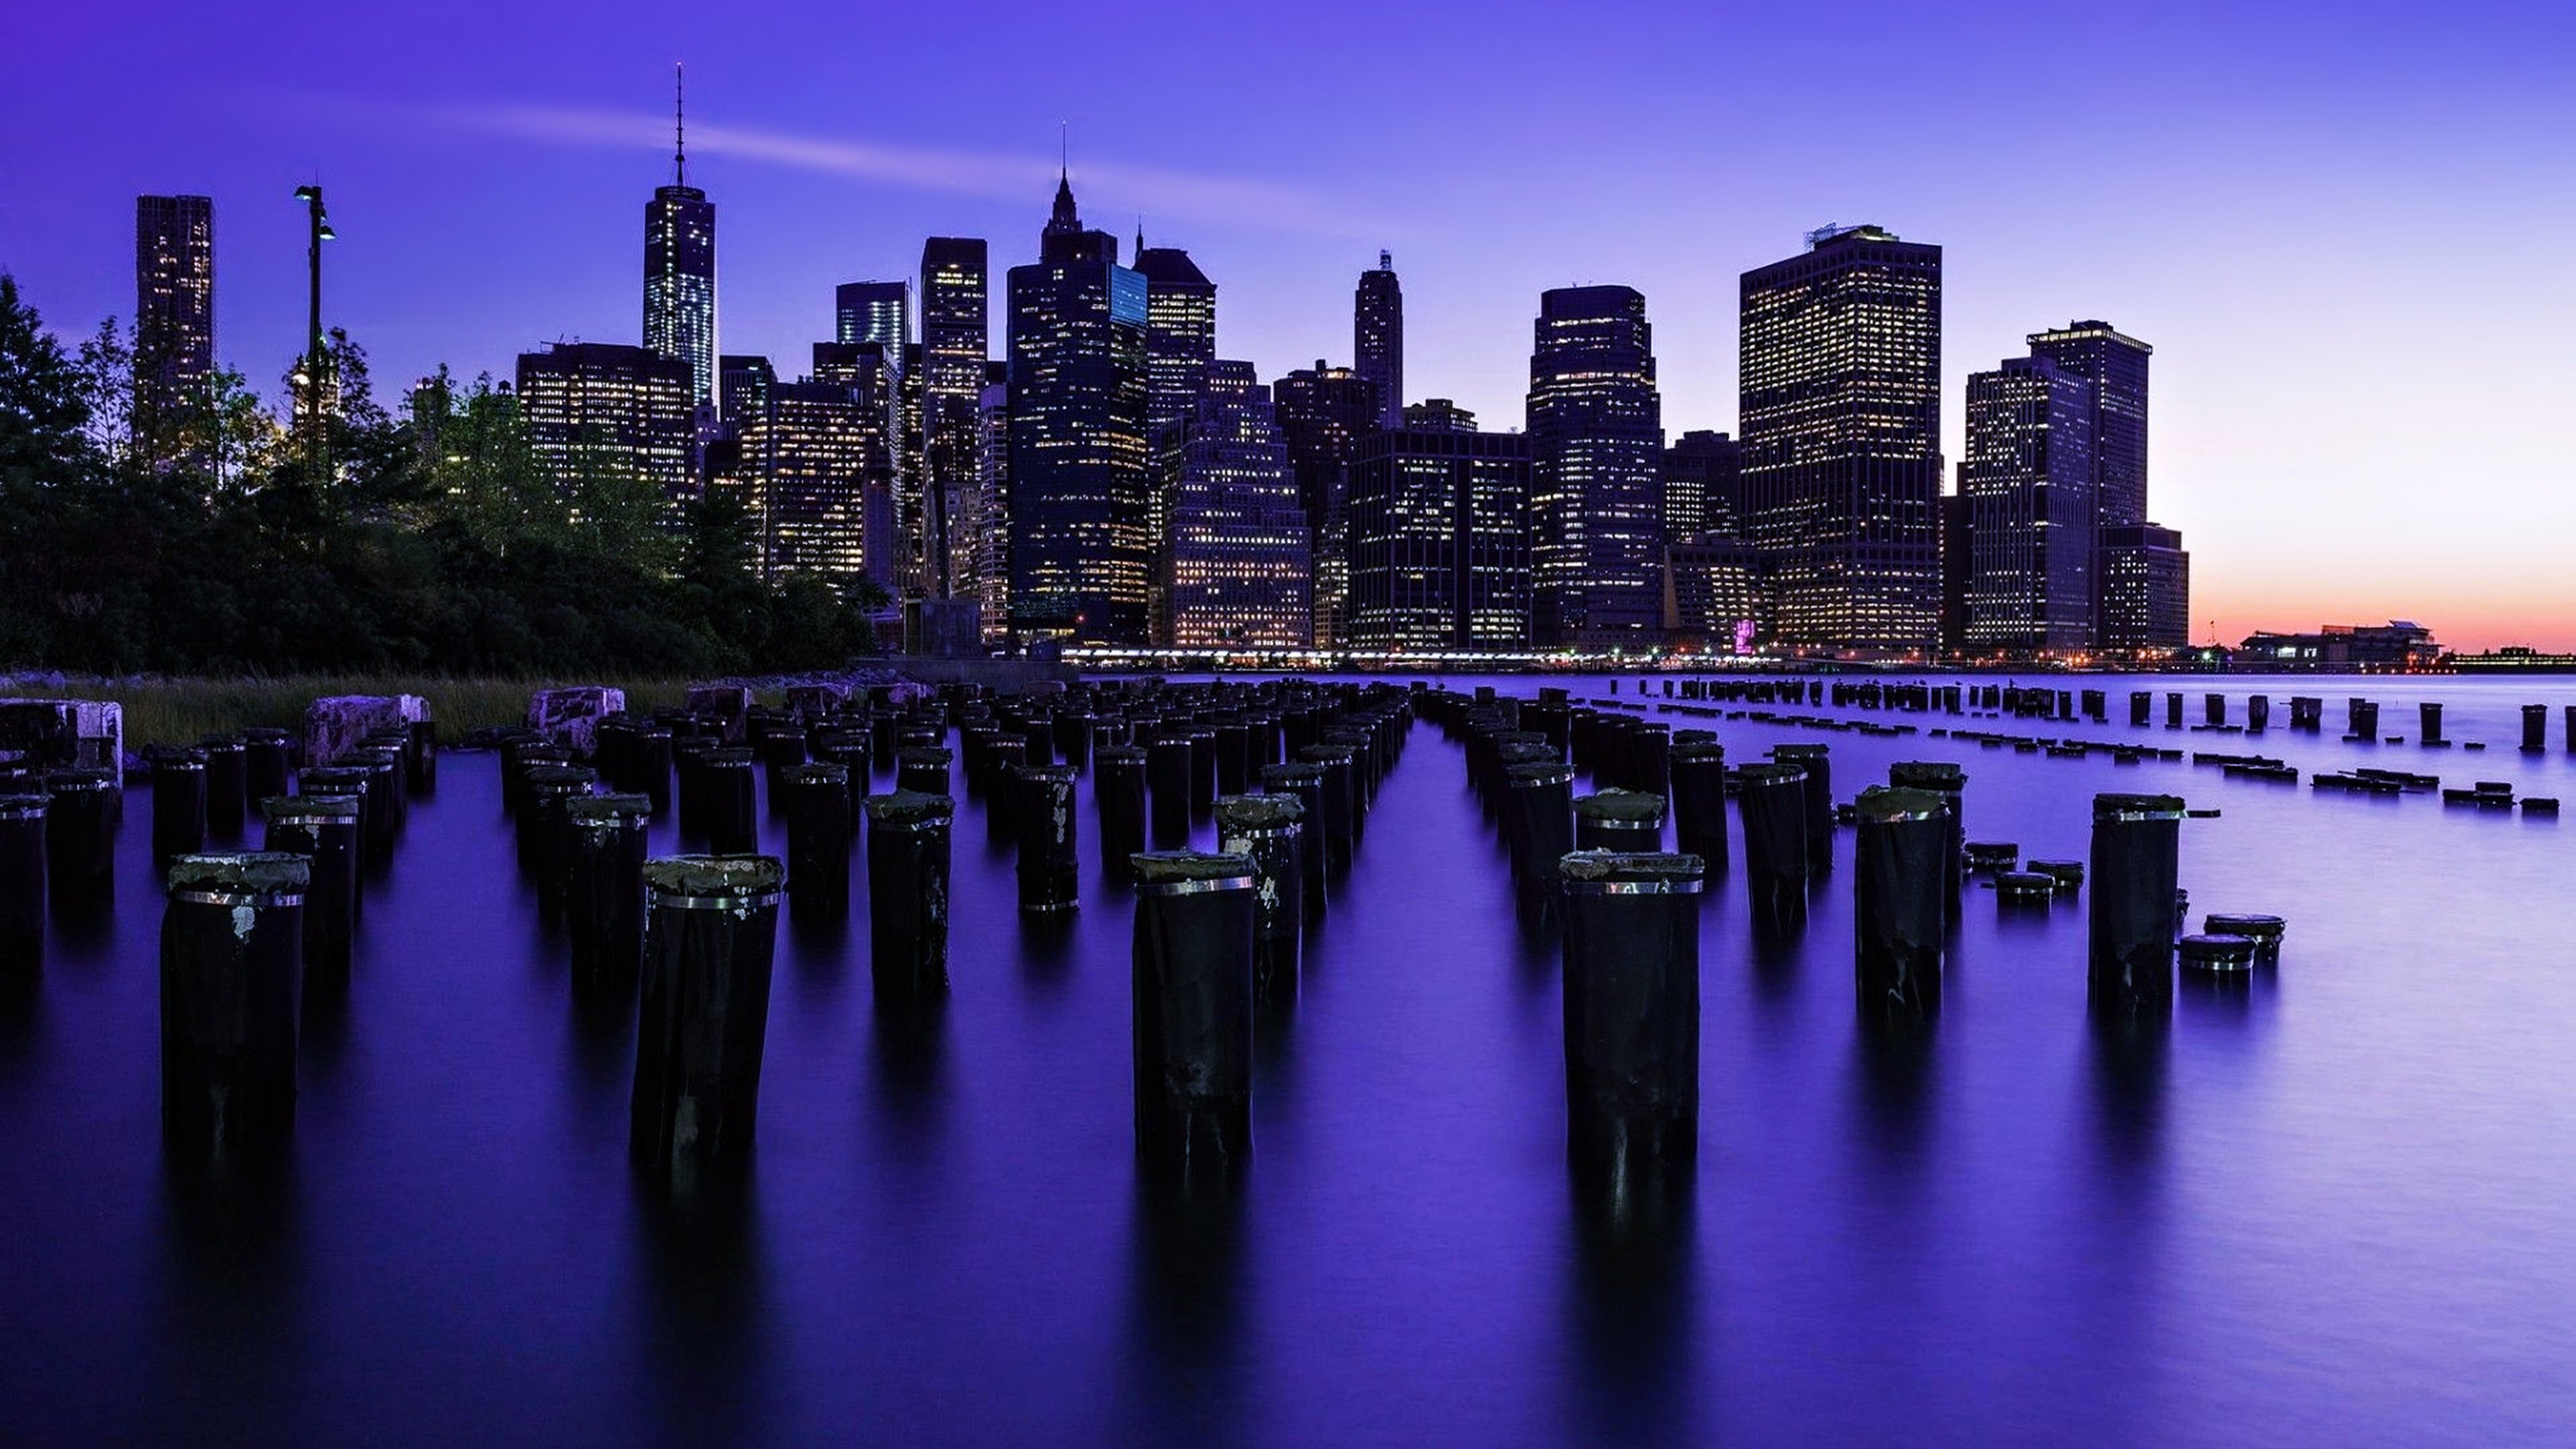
x: 2344, y: 227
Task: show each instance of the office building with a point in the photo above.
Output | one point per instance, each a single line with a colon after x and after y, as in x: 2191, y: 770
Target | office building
x: 2146, y: 589
x: 815, y: 453
x: 1324, y: 411
x: 1701, y: 471
x: 878, y: 312
x: 2116, y: 366
x: 605, y: 410
x: 1075, y: 484
x: 1839, y: 392
x: 954, y: 459
x: 1232, y: 569
x: 1596, y: 458
x: 1377, y: 338
x: 1712, y: 594
x: 174, y: 324
x: 2028, y: 477
x: 1180, y: 333
x: 1439, y: 527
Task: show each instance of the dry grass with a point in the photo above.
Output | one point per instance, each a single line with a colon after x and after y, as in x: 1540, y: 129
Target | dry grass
x: 178, y: 711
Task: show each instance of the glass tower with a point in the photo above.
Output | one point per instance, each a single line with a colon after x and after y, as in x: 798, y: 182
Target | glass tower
x: 1839, y: 392
x: 1324, y: 412
x: 1180, y: 333
x: 1232, y: 567
x: 2029, y: 480
x: 1596, y: 467
x: 1439, y: 522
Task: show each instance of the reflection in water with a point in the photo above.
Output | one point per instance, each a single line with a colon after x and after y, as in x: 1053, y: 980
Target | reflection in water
x: 232, y: 1286
x: 909, y: 1056
x: 2127, y: 1079
x: 1630, y: 1304
x: 1184, y: 1309
x: 701, y: 1333
x: 1892, y: 1080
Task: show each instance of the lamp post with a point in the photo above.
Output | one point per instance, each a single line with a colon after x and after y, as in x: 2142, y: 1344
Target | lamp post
x: 315, y: 437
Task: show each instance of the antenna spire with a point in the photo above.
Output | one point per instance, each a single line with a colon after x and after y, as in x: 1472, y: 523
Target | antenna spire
x: 679, y: 126
x: 1064, y: 151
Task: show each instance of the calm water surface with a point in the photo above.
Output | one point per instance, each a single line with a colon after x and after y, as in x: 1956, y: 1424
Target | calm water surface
x: 2338, y: 1208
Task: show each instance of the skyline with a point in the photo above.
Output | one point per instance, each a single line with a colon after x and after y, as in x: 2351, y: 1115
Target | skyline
x: 470, y: 244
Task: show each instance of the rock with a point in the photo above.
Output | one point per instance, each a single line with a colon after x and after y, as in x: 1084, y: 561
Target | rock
x: 571, y: 716
x: 336, y: 725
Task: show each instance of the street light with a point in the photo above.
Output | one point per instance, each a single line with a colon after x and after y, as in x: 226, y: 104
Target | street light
x: 319, y: 223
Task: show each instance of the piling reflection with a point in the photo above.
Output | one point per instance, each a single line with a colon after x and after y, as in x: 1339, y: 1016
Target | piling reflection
x: 1185, y: 1310
x: 1630, y: 1290
x: 701, y: 1332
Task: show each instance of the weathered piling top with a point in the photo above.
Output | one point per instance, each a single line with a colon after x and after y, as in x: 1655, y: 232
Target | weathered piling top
x: 1660, y: 871
x: 1886, y: 804
x: 2112, y: 806
x: 1626, y: 807
x: 309, y: 807
x: 260, y: 873
x: 720, y: 877
x: 608, y: 808
x: 910, y: 808
x: 1168, y: 868
x: 1258, y: 812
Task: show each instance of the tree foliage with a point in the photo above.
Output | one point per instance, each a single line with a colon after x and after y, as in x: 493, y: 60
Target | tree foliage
x: 434, y: 541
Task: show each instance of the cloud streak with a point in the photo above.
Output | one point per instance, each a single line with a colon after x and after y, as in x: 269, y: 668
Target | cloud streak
x: 1210, y: 199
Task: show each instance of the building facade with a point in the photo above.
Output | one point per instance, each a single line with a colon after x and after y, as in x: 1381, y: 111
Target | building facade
x: 815, y: 453
x: 955, y: 471
x: 1439, y: 526
x: 2028, y: 476
x: 1075, y: 487
x: 1232, y: 569
x: 879, y: 312
x: 1324, y: 412
x: 1377, y: 337
x: 174, y: 324
x: 1596, y: 468
x: 2146, y: 589
x: 1839, y: 391
x: 680, y: 281
x: 603, y: 409
x: 1180, y: 333
x: 1703, y: 475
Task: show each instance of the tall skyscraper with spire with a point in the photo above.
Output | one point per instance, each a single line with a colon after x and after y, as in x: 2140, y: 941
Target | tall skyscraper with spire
x: 680, y: 268
x: 1377, y: 338
x: 1075, y: 477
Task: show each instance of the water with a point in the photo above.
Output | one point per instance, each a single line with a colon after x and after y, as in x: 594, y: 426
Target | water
x: 2335, y: 1209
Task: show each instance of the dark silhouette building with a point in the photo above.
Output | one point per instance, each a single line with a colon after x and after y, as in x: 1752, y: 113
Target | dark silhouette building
x: 2029, y: 479
x: 1596, y: 458
x: 1440, y: 535
x: 1180, y: 333
x: 1840, y: 422
x: 879, y: 312
x: 1232, y: 565
x: 1703, y: 475
x: 1323, y: 413
x: 1377, y: 338
x: 174, y: 323
x: 1075, y: 489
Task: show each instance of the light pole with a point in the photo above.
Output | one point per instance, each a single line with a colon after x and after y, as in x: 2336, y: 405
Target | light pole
x: 316, y: 456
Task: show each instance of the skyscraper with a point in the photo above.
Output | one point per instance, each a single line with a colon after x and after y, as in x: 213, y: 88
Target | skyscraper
x: 1324, y: 412
x: 2029, y: 480
x: 1377, y: 338
x: 1839, y: 388
x: 815, y: 452
x: 1440, y: 535
x: 1180, y: 333
x: 953, y: 453
x: 2116, y: 365
x: 174, y: 320
x: 2146, y: 593
x: 680, y: 275
x: 603, y: 409
x: 1596, y: 458
x: 1703, y: 475
x: 1232, y: 566
x: 879, y: 312
x: 1075, y: 495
